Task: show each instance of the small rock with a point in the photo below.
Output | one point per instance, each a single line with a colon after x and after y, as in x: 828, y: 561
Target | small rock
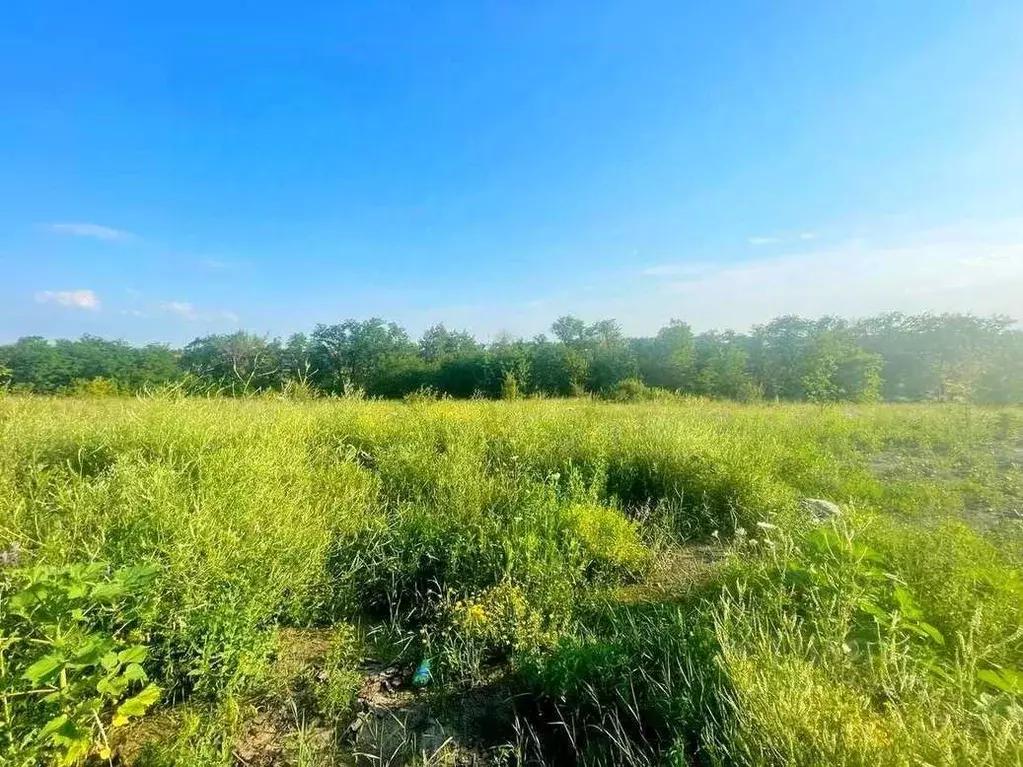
x: 820, y: 510
x: 10, y: 557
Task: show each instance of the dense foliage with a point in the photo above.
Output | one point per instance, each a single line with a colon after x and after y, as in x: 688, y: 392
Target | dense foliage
x: 893, y: 357
x: 628, y: 584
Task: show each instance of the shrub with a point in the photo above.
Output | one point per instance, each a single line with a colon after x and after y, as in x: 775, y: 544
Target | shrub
x: 509, y: 386
x: 491, y: 625
x: 610, y: 542
x: 632, y: 390
x: 95, y: 387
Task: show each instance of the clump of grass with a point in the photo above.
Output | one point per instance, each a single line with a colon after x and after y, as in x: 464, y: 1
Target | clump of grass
x: 610, y: 542
x: 339, y: 678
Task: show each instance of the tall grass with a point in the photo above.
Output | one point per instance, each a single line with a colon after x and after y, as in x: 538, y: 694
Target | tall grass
x: 501, y: 535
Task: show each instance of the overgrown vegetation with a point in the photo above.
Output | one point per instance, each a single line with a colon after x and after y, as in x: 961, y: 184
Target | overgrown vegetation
x: 217, y: 581
x: 893, y: 357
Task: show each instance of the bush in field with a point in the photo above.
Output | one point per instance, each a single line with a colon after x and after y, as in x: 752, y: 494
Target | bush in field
x: 609, y: 542
x: 95, y: 387
x: 510, y: 386
x: 634, y: 390
x: 487, y: 627
x: 422, y: 395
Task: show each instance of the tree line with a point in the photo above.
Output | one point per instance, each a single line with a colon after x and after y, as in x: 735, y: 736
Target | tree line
x: 893, y: 357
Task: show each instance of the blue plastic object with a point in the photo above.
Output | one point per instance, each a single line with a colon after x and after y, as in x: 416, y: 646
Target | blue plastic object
x: 422, y: 677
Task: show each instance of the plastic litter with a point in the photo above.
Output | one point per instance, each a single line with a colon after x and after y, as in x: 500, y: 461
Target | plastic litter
x: 422, y: 677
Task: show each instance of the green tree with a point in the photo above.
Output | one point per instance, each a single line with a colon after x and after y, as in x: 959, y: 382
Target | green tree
x: 439, y: 344
x: 668, y: 360
x: 359, y: 353
x: 722, y: 363
x: 570, y: 330
x: 237, y: 363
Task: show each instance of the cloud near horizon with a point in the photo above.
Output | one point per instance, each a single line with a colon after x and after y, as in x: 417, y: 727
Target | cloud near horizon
x: 95, y: 231
x: 76, y: 299
x: 773, y: 239
x: 186, y: 311
x: 181, y: 309
x: 974, y: 269
x: 941, y: 271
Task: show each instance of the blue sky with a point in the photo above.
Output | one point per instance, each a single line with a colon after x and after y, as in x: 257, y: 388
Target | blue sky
x: 170, y: 172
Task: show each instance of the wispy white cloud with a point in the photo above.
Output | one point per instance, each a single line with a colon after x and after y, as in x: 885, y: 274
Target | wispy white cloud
x: 970, y: 270
x: 974, y: 267
x: 664, y: 270
x: 677, y: 270
x: 778, y: 238
x: 217, y: 264
x: 75, y: 299
x: 91, y: 230
x: 181, y: 309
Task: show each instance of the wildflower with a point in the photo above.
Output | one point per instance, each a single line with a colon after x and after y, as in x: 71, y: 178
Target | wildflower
x: 476, y: 615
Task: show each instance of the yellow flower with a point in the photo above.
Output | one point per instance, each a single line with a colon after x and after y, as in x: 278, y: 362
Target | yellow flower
x: 476, y: 615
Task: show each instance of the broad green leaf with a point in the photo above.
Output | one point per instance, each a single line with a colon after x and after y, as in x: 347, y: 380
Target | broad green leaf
x: 137, y: 705
x: 871, y: 609
x: 77, y: 590
x: 52, y: 726
x: 134, y: 672
x: 77, y: 750
x: 827, y: 540
x: 93, y: 652
x: 134, y: 654
x: 864, y: 552
x: 932, y: 632
x: 1006, y: 679
x: 44, y: 670
x: 112, y: 686
x: 105, y: 592
x: 136, y: 577
x: 28, y: 597
x: 907, y: 604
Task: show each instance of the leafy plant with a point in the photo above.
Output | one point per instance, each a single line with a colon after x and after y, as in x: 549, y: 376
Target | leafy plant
x: 71, y: 659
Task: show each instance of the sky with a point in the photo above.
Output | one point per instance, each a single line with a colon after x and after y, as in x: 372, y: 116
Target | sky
x: 169, y: 170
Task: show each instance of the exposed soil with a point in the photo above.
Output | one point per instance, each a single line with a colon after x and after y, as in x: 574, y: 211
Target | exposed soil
x: 390, y: 723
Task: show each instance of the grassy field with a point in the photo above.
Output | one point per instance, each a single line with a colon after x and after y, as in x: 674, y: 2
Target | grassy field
x: 198, y: 582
